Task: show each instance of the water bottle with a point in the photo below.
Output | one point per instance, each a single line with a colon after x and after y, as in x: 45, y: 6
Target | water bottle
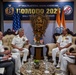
x: 46, y: 66
x: 31, y: 57
x: 45, y: 59
x: 29, y: 66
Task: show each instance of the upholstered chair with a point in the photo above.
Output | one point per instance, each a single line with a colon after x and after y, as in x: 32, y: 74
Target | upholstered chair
x: 7, y: 39
x: 50, y: 46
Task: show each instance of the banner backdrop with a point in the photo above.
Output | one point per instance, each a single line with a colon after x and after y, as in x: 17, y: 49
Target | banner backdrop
x: 26, y: 9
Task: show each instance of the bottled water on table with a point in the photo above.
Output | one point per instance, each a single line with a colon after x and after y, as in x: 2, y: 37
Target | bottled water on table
x: 31, y: 57
x: 29, y: 66
x: 46, y: 65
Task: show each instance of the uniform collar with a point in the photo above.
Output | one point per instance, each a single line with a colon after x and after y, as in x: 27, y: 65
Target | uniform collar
x: 19, y: 36
x: 64, y: 35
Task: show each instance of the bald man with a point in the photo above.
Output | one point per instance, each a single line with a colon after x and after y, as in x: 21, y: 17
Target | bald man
x: 64, y: 41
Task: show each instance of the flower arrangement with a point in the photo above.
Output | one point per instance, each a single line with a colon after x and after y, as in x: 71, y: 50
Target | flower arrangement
x: 36, y: 61
x: 36, y: 64
x: 35, y: 40
x: 40, y: 41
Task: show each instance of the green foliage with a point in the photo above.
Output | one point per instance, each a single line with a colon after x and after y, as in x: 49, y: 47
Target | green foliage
x: 36, y: 61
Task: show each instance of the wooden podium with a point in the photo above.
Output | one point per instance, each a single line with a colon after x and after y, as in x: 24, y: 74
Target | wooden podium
x: 38, y: 51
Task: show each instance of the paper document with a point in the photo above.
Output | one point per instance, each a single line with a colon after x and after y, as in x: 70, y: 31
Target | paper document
x: 2, y: 70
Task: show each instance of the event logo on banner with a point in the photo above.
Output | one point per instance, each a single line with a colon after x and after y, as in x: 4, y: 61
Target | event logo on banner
x: 68, y: 9
x: 26, y: 9
x: 9, y: 10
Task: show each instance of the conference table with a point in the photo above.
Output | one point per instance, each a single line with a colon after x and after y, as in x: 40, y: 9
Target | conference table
x: 40, y: 71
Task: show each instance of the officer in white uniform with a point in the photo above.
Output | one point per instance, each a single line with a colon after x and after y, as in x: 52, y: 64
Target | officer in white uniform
x: 16, y: 56
x: 68, y: 57
x: 18, y: 43
x: 64, y: 62
x: 63, y: 42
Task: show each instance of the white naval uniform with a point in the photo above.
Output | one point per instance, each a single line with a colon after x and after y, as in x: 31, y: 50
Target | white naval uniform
x: 64, y: 61
x: 19, y: 42
x: 16, y: 56
x: 63, y: 42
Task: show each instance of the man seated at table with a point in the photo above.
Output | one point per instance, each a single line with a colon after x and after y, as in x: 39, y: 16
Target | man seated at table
x: 64, y: 41
x: 14, y: 56
x: 6, y: 60
x: 8, y: 65
x: 68, y: 57
x: 18, y: 43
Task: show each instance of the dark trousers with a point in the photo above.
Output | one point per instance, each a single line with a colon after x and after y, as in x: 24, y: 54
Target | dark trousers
x: 13, y: 60
x: 9, y: 67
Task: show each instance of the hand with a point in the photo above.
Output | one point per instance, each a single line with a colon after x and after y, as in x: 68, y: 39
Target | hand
x: 27, y: 42
x: 5, y: 57
x: 10, y: 55
x: 6, y: 52
x: 68, y: 53
x: 20, y: 49
x: 60, y: 48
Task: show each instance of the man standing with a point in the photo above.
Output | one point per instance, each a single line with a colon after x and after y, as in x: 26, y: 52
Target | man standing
x: 4, y: 59
x: 18, y: 43
x: 63, y: 42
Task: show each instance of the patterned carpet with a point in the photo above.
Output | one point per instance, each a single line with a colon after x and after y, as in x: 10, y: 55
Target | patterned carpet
x: 41, y: 69
x: 58, y: 72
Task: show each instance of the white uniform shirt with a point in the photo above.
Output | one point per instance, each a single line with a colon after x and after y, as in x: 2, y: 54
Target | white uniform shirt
x: 64, y: 40
x: 19, y: 41
x: 1, y: 46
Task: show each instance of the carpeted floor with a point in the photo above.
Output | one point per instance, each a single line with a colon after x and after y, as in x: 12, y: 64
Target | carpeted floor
x: 58, y: 72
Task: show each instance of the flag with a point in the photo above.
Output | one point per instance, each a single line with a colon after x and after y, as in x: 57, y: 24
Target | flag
x: 58, y: 23
x: 63, y: 20
x: 58, y: 18
x: 16, y: 21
